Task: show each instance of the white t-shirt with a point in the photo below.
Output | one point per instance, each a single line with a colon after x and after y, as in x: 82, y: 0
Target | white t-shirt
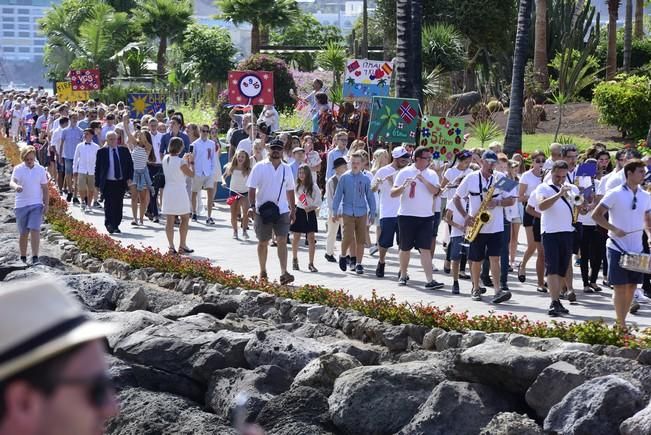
x: 619, y: 203
x: 421, y: 202
x: 531, y: 180
x: 246, y: 145
x: 614, y: 181
x: 601, y: 190
x: 533, y: 202
x: 457, y: 218
x: 388, y: 205
x: 31, y: 179
x: 268, y: 182
x: 472, y: 187
x: 56, y: 138
x: 558, y: 217
x: 452, y: 174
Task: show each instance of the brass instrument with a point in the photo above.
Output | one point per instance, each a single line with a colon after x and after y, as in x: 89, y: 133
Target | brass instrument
x: 482, y: 218
x: 576, y: 201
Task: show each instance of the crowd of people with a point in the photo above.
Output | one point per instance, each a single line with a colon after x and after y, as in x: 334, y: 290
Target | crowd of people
x: 288, y: 185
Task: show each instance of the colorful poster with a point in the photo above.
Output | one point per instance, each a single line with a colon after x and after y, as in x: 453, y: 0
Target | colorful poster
x: 366, y: 79
x: 65, y: 93
x: 85, y: 79
x: 143, y: 104
x: 250, y: 87
x: 444, y: 135
x: 394, y: 119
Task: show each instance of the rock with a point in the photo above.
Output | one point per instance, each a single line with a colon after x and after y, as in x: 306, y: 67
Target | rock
x: 638, y: 424
x: 146, y: 413
x: 298, y: 405
x: 322, y: 372
x: 381, y: 399
x: 644, y: 357
x: 277, y: 347
x: 473, y: 338
x: 191, y: 308
x: 598, y: 406
x: 502, y: 365
x: 448, y: 340
x: 319, y: 330
x: 6, y: 268
x: 511, y: 423
x: 429, y: 340
x: 236, y: 390
x: 97, y: 291
x: 133, y: 300
x: 446, y: 411
x: 315, y: 312
x: 367, y: 354
x: 462, y: 103
x: 128, y: 323
x: 298, y: 428
x: 116, y: 267
x: 551, y: 385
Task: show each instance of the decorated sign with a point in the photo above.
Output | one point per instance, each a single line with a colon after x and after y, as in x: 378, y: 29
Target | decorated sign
x: 443, y: 135
x: 393, y: 119
x: 366, y: 79
x: 65, y: 93
x: 143, y: 104
x: 85, y: 79
x: 250, y: 87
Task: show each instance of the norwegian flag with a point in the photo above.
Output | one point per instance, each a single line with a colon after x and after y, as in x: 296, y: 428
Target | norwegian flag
x: 353, y: 66
x: 303, y: 198
x: 406, y: 112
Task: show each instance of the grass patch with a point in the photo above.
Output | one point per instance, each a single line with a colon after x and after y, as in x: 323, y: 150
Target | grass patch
x: 541, y: 141
x: 196, y: 114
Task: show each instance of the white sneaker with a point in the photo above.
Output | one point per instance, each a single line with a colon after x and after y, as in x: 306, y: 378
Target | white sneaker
x: 640, y: 297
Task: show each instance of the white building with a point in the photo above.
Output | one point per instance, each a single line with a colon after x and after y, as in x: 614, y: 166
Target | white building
x: 20, y: 38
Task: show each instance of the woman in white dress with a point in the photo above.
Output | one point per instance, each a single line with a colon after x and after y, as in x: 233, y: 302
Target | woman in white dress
x: 175, y: 196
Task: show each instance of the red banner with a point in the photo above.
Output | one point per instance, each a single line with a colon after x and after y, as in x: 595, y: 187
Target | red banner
x: 250, y: 87
x: 85, y: 79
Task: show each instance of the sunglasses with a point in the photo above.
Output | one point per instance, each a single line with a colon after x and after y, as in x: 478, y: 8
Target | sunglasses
x: 205, y: 131
x: 539, y: 161
x: 99, y: 390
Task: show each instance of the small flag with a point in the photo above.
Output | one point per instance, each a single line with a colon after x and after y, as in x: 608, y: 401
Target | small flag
x: 303, y: 199
x: 406, y: 112
x: 387, y: 68
x: 353, y: 66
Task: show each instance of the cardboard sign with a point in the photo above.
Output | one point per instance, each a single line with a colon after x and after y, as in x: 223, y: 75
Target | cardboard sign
x: 443, y: 135
x: 250, y: 87
x: 143, y: 104
x: 85, y: 79
x: 65, y: 93
x: 366, y: 79
x: 393, y: 119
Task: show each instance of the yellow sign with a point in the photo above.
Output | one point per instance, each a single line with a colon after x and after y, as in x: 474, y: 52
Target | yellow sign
x: 65, y: 93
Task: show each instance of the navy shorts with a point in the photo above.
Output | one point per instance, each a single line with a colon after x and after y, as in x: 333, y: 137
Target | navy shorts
x: 558, y: 252
x: 537, y: 236
x: 415, y: 232
x: 485, y: 245
x: 527, y: 219
x: 388, y: 230
x: 576, y: 238
x: 436, y: 221
x: 457, y: 248
x: 617, y: 275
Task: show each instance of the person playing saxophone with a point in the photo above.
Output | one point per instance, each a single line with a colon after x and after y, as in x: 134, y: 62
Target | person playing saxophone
x: 478, y: 188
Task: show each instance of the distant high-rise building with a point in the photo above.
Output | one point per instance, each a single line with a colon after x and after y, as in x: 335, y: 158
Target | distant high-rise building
x: 20, y: 38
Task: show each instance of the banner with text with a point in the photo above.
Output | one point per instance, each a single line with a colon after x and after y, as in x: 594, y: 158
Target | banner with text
x: 393, y: 120
x: 443, y: 135
x: 365, y: 79
x: 145, y: 104
x: 250, y: 87
x: 65, y: 93
x: 85, y: 79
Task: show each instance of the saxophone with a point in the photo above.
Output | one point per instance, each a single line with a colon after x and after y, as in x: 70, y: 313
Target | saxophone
x: 483, y: 216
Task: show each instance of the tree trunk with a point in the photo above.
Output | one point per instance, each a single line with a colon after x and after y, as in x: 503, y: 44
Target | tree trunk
x: 628, y: 35
x: 255, y: 38
x: 513, y: 139
x: 416, y: 63
x: 365, y: 29
x: 611, y: 65
x: 540, y: 47
x: 638, y: 31
x: 160, y: 56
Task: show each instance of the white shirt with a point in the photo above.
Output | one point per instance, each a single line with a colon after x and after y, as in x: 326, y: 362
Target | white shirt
x: 452, y: 174
x: 601, y: 190
x: 558, y: 217
x: 457, y: 218
x: 303, y: 200
x: 56, y: 138
x: 268, y: 182
x: 105, y: 129
x: 246, y: 145
x: 419, y: 203
x: 155, y: 142
x: 384, y: 179
x: 31, y: 179
x: 470, y: 189
x: 238, y: 180
x: 547, y: 166
x: 85, y: 158
x: 531, y: 180
x: 614, y: 181
x: 619, y: 203
x: 204, y: 157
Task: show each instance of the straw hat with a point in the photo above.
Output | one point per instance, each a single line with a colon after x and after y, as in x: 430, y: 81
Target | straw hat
x: 38, y: 321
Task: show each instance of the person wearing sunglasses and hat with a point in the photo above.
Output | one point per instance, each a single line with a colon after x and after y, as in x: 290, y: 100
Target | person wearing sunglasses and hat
x: 53, y: 370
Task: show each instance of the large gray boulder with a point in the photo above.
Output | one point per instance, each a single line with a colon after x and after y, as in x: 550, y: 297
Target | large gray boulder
x: 551, y: 385
x: 322, y: 372
x: 447, y: 410
x: 639, y: 423
x: 238, y: 392
x: 598, y: 406
x: 502, y: 365
x: 299, y: 405
x: 379, y: 400
x: 146, y: 413
x: 511, y: 423
x: 97, y: 291
x: 281, y: 348
x: 128, y: 323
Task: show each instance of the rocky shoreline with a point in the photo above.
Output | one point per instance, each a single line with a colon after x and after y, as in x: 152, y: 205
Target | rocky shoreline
x: 196, y: 358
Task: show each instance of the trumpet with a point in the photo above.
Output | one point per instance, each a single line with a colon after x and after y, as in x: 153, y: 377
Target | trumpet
x: 575, y: 200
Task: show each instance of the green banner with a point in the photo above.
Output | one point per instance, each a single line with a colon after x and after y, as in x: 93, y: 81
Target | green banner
x: 393, y: 120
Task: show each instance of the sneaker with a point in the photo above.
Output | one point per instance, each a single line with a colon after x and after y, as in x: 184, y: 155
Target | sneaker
x: 23, y: 258
x: 640, y: 297
x: 69, y: 197
x: 455, y: 288
x: 501, y: 296
x: 210, y: 221
x: 482, y: 290
x: 245, y: 234
x: 330, y: 258
x: 359, y: 269
x: 194, y: 217
x: 476, y: 294
x: 561, y: 309
x: 97, y: 204
x: 571, y: 296
x: 541, y: 289
x: 447, y: 270
x: 587, y: 289
x: 373, y: 250
x: 379, y: 270
x: 434, y: 285
x: 75, y: 200
x: 235, y: 236
x: 352, y: 264
x: 553, y: 312
x: 295, y: 264
x: 402, y: 280
x: 286, y: 278
x: 343, y: 263
x: 35, y: 260
x: 635, y: 307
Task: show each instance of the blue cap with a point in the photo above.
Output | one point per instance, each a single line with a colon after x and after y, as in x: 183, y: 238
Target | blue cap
x: 489, y: 156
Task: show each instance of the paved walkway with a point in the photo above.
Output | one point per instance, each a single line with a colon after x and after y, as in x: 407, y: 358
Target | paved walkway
x: 216, y: 243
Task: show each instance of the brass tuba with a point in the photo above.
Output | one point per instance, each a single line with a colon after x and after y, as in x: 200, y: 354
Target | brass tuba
x: 482, y: 218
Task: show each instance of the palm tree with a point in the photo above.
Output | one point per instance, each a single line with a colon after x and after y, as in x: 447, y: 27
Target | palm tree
x: 638, y: 31
x: 259, y: 13
x: 165, y: 20
x: 513, y: 139
x: 613, y: 14
x: 408, y: 59
x: 540, y: 45
x: 628, y: 35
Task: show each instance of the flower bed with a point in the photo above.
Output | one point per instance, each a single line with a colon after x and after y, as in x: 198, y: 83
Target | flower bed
x: 90, y: 241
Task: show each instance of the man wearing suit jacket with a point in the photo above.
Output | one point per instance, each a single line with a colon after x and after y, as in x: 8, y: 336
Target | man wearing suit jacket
x: 113, y: 173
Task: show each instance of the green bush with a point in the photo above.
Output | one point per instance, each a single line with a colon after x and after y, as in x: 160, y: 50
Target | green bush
x: 640, y: 49
x: 626, y: 104
x: 283, y: 79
